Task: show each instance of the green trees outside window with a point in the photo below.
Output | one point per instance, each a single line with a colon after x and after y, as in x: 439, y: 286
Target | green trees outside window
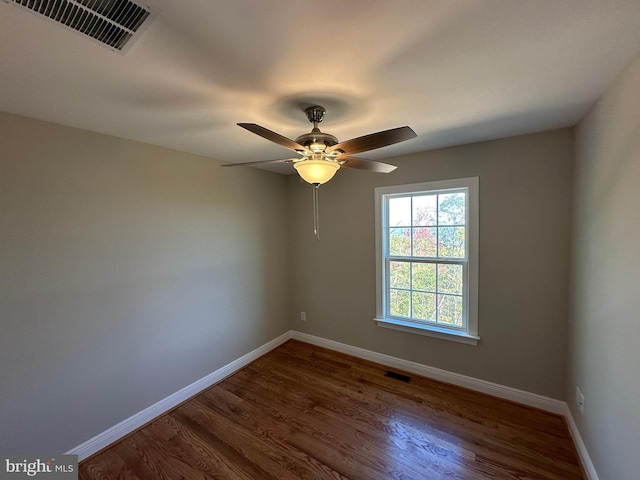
x: 426, y: 236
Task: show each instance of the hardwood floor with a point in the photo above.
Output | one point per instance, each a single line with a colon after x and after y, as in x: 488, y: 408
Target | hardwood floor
x: 306, y: 412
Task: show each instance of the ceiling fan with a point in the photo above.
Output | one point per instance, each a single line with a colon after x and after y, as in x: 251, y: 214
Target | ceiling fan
x: 320, y: 155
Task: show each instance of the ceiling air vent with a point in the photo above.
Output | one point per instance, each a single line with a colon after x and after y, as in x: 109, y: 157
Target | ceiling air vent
x: 113, y: 23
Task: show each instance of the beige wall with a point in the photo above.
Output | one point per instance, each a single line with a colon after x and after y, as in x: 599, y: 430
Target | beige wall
x: 127, y: 272
x: 525, y: 206
x: 604, y: 344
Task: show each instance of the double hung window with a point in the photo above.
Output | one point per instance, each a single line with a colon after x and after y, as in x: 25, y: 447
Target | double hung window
x: 427, y: 258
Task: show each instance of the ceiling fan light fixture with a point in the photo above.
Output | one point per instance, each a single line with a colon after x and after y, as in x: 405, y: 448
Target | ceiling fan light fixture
x: 316, y: 172
x: 317, y: 147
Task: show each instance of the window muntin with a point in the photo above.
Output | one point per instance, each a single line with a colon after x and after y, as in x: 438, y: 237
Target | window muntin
x: 427, y: 255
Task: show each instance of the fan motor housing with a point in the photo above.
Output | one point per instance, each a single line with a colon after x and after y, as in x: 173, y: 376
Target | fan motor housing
x: 316, y: 136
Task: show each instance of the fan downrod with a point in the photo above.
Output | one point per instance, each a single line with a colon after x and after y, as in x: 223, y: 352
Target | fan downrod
x: 315, y: 114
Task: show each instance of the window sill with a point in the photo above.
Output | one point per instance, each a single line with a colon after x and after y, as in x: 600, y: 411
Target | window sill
x: 461, y: 337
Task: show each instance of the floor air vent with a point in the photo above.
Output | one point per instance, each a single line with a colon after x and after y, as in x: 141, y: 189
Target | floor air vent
x: 114, y: 23
x: 398, y: 376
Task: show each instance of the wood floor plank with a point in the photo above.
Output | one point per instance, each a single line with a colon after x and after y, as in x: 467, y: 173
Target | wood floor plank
x: 253, y: 418
x: 107, y: 465
x: 358, y: 425
x: 480, y: 414
x: 326, y: 442
x: 213, y: 458
x: 389, y: 409
x: 305, y: 412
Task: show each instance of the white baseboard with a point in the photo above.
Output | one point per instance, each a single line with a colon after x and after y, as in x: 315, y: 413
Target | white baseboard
x: 507, y: 393
x: 137, y: 420
x: 587, y: 464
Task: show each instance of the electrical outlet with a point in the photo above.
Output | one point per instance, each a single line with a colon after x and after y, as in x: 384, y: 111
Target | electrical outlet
x: 579, y: 400
x: 303, y: 316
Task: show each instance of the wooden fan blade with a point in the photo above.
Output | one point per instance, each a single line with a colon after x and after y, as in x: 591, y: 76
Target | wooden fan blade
x: 273, y: 136
x: 259, y: 162
x: 370, y: 165
x: 374, y: 140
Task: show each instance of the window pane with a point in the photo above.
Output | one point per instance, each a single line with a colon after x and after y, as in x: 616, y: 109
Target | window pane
x: 451, y: 209
x: 400, y: 212
x: 425, y: 210
x: 450, y: 310
x: 424, y: 306
x: 424, y: 242
x: 400, y: 302
x: 400, y: 275
x: 424, y: 276
x: 400, y: 241
x: 450, y: 279
x: 451, y: 242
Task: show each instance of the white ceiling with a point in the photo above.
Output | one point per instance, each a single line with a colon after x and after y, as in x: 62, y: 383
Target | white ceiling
x: 456, y: 71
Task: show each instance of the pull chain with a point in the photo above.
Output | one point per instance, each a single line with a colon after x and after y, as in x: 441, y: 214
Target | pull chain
x: 316, y: 212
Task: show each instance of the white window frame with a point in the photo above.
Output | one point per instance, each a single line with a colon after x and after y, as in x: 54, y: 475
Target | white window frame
x: 469, y: 334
